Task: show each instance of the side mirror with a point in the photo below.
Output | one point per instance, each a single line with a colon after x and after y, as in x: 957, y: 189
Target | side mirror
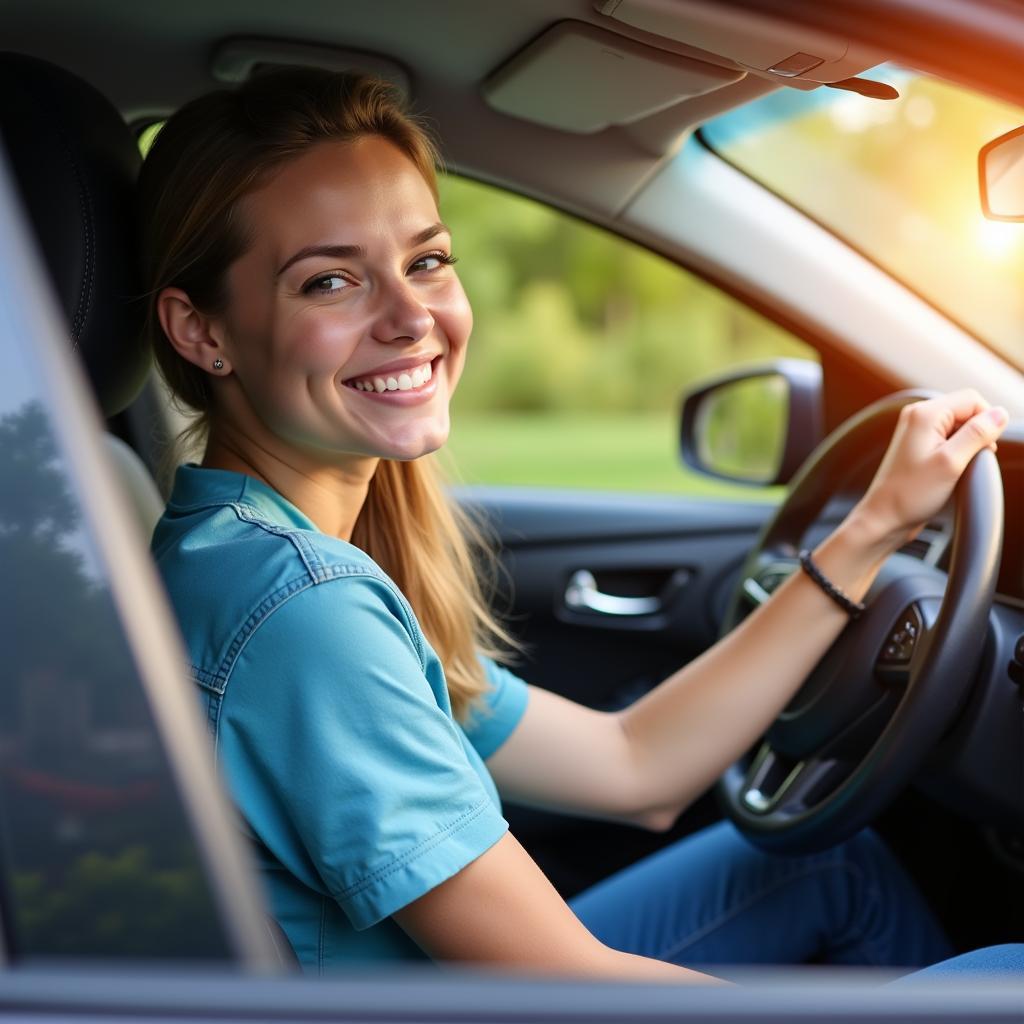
x: 1001, y: 177
x: 756, y: 425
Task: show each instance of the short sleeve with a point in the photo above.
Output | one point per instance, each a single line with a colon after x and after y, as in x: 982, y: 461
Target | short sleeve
x: 502, y: 707
x: 342, y: 756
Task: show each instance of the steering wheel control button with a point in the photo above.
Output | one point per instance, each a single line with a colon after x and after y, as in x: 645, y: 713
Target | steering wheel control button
x: 898, y: 649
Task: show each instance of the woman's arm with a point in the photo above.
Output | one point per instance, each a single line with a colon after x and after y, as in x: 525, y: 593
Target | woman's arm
x: 525, y: 926
x: 647, y: 762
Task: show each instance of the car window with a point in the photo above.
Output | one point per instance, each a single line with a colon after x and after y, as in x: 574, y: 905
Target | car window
x: 582, y: 346
x: 899, y: 180
x: 94, y: 843
x: 100, y: 855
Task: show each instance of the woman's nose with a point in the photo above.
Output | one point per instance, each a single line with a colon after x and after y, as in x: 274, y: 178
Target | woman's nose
x: 401, y: 315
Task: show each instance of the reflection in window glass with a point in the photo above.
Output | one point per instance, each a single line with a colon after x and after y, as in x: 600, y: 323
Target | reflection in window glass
x: 899, y: 180
x: 95, y: 850
x: 582, y: 347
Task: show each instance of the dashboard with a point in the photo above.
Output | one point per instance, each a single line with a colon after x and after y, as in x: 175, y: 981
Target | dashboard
x: 978, y: 767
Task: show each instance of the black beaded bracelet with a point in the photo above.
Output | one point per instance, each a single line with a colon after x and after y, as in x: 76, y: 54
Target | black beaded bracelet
x: 852, y: 608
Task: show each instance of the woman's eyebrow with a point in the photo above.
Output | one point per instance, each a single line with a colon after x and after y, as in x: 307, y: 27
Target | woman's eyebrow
x: 428, y: 233
x: 343, y: 252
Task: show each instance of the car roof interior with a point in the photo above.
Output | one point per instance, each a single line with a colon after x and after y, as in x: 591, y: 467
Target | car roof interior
x: 574, y: 102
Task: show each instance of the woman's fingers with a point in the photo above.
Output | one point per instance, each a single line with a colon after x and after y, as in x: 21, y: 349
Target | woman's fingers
x: 958, y: 425
x: 931, y: 447
x: 980, y: 431
x: 961, y: 405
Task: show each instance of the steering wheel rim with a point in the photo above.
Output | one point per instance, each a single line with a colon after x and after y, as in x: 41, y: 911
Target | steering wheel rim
x: 822, y: 800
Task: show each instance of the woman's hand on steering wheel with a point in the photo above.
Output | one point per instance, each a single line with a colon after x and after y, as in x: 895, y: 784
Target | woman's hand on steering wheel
x: 932, y: 445
x: 864, y: 719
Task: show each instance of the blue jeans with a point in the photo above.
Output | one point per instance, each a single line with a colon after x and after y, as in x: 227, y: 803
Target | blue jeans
x: 712, y: 898
x: 1005, y: 959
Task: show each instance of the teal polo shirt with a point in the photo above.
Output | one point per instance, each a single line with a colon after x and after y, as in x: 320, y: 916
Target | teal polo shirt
x: 330, y: 717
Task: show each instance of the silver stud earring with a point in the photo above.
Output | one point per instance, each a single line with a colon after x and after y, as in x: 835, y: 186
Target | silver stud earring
x: 218, y: 364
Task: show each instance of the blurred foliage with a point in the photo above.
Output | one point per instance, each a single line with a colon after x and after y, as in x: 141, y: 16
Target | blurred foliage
x: 570, y: 317
x: 620, y: 451
x: 42, y: 553
x: 583, y: 345
x: 899, y: 179
x: 122, y: 904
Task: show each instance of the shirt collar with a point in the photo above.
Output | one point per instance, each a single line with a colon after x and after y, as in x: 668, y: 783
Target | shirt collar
x: 200, y: 487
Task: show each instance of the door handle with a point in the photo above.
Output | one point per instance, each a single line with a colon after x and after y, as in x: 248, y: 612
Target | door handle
x: 582, y: 594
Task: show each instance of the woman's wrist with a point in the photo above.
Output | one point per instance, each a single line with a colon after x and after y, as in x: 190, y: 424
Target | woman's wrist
x: 852, y: 554
x: 876, y: 533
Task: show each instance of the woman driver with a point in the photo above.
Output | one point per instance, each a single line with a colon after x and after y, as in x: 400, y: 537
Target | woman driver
x: 305, y: 304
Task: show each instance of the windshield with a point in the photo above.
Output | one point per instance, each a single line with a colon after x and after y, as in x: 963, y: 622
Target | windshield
x: 898, y: 179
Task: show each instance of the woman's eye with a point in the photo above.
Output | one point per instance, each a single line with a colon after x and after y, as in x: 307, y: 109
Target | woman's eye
x: 433, y: 260
x: 326, y: 284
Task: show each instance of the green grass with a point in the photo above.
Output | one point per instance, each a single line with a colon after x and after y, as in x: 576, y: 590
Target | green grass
x: 620, y: 451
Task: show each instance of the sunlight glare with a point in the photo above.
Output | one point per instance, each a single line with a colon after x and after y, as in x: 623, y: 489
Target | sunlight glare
x: 997, y: 239
x: 852, y: 113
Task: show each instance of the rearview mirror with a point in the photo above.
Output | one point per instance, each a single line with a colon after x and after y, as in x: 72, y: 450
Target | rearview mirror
x: 756, y: 425
x: 1001, y: 177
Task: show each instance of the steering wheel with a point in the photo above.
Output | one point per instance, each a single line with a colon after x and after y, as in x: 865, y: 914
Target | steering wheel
x: 891, y: 684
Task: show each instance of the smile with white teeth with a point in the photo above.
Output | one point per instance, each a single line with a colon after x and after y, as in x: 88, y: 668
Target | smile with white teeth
x: 407, y: 380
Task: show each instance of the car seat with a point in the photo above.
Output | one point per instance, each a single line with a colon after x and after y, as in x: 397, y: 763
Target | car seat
x: 75, y: 163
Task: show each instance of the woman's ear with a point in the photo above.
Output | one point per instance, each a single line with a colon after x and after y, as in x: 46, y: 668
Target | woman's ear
x: 192, y: 334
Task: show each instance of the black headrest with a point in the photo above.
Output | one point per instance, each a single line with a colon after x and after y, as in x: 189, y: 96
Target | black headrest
x: 76, y: 163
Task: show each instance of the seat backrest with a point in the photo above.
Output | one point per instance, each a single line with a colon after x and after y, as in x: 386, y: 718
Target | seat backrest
x: 75, y: 163
x: 138, y: 485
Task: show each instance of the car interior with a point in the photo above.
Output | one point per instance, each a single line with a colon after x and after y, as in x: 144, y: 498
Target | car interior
x: 593, y: 109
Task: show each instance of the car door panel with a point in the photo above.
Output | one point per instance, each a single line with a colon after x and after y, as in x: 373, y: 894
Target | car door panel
x: 682, y: 551
x: 680, y: 554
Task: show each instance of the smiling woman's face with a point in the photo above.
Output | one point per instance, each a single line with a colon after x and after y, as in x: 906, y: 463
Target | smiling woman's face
x: 346, y: 325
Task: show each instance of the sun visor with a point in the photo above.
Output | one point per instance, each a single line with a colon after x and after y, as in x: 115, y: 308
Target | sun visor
x: 795, y: 56
x: 580, y: 78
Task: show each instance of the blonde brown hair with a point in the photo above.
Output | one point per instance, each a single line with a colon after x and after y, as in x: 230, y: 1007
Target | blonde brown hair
x: 210, y: 154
